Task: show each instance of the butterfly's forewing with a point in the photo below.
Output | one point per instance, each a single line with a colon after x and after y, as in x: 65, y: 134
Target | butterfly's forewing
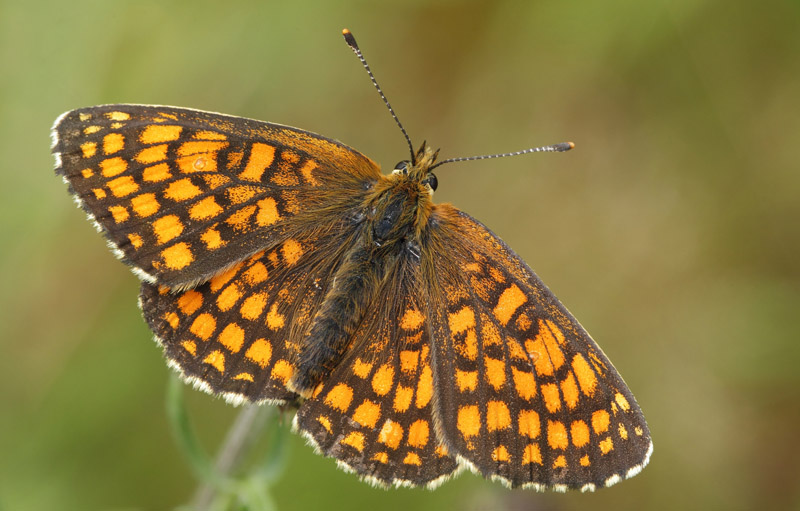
x: 374, y: 413
x: 522, y: 392
x: 182, y: 194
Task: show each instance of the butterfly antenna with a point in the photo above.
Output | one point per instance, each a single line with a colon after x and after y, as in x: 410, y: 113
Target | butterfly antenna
x: 555, y: 148
x: 351, y: 42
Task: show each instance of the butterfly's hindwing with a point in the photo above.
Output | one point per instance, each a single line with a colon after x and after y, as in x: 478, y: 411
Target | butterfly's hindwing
x: 182, y: 194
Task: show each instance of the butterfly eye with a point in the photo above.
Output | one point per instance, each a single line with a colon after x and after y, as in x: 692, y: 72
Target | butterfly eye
x: 431, y: 181
x: 402, y: 167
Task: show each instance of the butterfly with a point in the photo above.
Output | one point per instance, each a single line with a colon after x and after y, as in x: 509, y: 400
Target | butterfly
x: 280, y: 266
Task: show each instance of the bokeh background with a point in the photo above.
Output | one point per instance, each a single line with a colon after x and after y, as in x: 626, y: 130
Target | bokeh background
x: 671, y: 230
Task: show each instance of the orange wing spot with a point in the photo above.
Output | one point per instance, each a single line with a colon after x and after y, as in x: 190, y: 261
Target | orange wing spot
x: 402, y: 398
x: 497, y: 275
x: 355, y: 440
x: 218, y: 281
x: 529, y: 424
x: 380, y: 457
x: 167, y: 116
x: 205, y: 209
x: 122, y: 186
x: 182, y: 190
x: 178, y: 256
x: 622, y: 402
x: 253, y: 306
x: 117, y: 125
x: 275, y: 320
x: 391, y: 434
x: 560, y: 462
x: 584, y: 461
x: 87, y: 173
x: 306, y: 170
x: 508, y: 303
x: 600, y: 421
x: 240, y: 194
x: 190, y: 346
x: 557, y: 333
x: 545, y: 352
x: 99, y: 193
x: 412, y: 319
x: 441, y: 451
x: 260, y: 352
x: 531, y: 454
x: 285, y: 176
x: 118, y: 116
x: 212, y: 238
x: 244, y: 376
x: 466, y: 380
x: 412, y: 458
x: 639, y: 431
x: 136, y: 240
x: 156, y: 173
x: 325, y: 422
x: 461, y: 321
x: 113, y: 142
x: 469, y: 347
x: 551, y: 398
x: 515, y: 350
x: 500, y: 454
x: 267, y: 212
x: 189, y: 302
x: 418, y: 434
x: 409, y: 360
x: 256, y: 274
x: 91, y: 129
x: 606, y: 445
x: 569, y: 389
x: 383, y: 379
x: 119, y: 213
x: 261, y: 156
x: 495, y: 372
x: 240, y: 219
x: 525, y: 383
x: 473, y: 267
x: 361, y: 368
x: 216, y: 359
x: 214, y: 181
x: 282, y: 370
x: 497, y: 416
x: 209, y: 135
x: 203, y: 326
x: 424, y: 387
x: 292, y: 251
x: 585, y: 374
x: 367, y: 414
x: 145, y: 204
x: 89, y: 149
x: 523, y: 322
x: 159, y: 133
x: 172, y: 319
x: 580, y: 433
x: 623, y: 433
x: 490, y: 333
x: 228, y: 297
x: 167, y: 228
x: 84, y: 117
x: 557, y: 435
x: 232, y: 337
x: 469, y: 421
x: 340, y: 397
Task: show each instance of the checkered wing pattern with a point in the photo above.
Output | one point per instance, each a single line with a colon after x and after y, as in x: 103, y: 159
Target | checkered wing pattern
x: 182, y: 194
x: 523, y: 393
x: 374, y: 413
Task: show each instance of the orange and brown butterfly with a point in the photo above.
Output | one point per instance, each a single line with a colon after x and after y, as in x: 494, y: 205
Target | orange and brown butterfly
x: 280, y: 266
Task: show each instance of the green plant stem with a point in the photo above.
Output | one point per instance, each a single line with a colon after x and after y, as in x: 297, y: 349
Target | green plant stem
x: 243, y: 434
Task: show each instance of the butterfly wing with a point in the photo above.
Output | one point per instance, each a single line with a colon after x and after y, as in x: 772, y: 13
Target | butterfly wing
x: 523, y: 394
x: 374, y: 413
x: 182, y: 194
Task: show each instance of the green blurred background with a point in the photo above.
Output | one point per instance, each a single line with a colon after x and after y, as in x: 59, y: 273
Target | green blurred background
x: 671, y: 230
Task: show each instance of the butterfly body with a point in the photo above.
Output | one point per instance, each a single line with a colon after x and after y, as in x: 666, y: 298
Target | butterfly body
x: 280, y: 266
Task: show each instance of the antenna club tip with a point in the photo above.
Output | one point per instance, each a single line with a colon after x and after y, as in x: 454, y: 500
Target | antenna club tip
x: 349, y: 39
x: 564, y: 146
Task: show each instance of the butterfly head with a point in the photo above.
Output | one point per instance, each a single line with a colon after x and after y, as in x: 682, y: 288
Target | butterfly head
x: 419, y: 168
